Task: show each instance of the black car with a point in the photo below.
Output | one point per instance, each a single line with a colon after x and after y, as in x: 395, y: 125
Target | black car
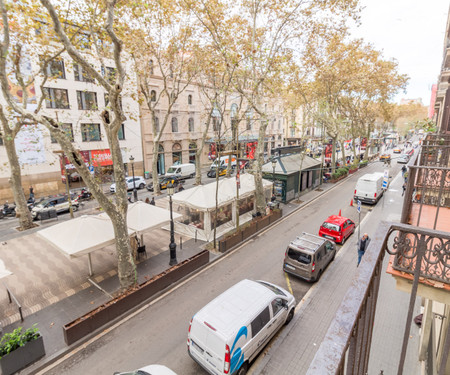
x: 164, y: 181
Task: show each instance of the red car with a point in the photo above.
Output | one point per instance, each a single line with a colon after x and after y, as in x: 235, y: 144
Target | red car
x: 337, y: 228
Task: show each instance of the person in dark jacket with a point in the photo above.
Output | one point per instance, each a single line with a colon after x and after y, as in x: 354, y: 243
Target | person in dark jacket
x: 362, y: 246
x: 152, y: 202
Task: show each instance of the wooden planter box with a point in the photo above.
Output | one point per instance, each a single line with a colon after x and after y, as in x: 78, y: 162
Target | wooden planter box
x: 339, y: 178
x: 351, y: 171
x: 23, y: 356
x: 114, y: 308
x: 248, y: 231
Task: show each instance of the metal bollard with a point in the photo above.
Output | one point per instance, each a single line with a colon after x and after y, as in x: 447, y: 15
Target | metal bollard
x: 181, y: 243
x: 195, y: 235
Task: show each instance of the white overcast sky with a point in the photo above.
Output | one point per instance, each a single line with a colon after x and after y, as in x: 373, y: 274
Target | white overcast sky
x: 412, y: 32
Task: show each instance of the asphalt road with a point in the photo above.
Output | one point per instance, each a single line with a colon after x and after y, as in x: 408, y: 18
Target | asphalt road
x: 157, y: 332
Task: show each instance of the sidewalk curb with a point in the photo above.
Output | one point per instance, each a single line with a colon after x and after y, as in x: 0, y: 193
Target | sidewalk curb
x: 40, y: 366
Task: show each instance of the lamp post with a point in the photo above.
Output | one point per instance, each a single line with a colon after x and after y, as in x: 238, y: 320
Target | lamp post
x: 274, y: 164
x: 172, y: 245
x: 134, y: 182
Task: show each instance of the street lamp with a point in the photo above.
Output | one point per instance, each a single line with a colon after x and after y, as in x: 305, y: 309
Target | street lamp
x: 134, y: 182
x: 172, y: 245
x: 274, y: 164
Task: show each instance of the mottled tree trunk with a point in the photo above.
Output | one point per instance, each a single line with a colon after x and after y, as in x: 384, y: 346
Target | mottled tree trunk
x: 24, y: 215
x: 260, y: 198
x: 155, y: 177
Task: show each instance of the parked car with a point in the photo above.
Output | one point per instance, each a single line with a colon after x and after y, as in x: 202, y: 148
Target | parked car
x: 60, y: 203
x: 337, y: 228
x: 182, y: 171
x: 149, y: 370
x: 227, y: 334
x: 369, y: 188
x: 137, y: 181
x: 397, y: 150
x: 164, y: 181
x: 223, y: 162
x: 212, y: 172
x: 308, y: 256
x: 403, y: 159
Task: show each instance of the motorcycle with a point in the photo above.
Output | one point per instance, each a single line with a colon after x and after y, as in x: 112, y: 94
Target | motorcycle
x: 85, y: 195
x: 9, y: 210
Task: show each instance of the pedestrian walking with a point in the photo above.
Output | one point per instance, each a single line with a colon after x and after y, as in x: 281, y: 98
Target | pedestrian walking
x: 362, y: 246
x: 404, y: 189
x: 31, y: 192
x: 403, y: 171
x: 147, y: 200
x: 152, y: 202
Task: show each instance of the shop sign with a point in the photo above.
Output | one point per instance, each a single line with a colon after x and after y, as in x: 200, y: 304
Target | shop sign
x: 101, y: 158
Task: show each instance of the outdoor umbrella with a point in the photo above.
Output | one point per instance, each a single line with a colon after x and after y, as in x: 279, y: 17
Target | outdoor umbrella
x: 81, y: 236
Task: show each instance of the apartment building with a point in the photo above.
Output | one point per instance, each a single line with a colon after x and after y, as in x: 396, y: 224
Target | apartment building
x: 76, y: 100
x: 183, y: 134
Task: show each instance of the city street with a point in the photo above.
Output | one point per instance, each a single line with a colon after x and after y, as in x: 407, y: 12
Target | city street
x: 157, y: 332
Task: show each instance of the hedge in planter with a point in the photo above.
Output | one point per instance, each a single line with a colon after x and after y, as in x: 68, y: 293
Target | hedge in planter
x: 19, y: 349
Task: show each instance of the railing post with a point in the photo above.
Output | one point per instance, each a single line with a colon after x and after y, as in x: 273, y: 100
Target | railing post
x: 421, y: 246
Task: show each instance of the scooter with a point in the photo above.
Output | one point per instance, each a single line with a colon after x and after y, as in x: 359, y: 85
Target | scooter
x: 9, y: 210
x: 85, y: 195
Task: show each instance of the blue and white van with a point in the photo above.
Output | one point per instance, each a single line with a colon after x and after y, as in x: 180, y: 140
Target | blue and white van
x: 230, y: 331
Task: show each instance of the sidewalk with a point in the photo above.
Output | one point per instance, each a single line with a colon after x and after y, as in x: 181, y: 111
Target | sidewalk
x: 54, y: 290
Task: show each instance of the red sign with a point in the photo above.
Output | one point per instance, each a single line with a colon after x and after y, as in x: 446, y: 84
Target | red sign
x: 69, y: 165
x: 101, y: 158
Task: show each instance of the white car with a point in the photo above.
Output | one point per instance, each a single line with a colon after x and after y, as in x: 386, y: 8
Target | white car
x: 59, y: 203
x: 149, y: 370
x: 138, y: 181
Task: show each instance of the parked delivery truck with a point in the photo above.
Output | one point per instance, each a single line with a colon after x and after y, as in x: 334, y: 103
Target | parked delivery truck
x: 369, y: 188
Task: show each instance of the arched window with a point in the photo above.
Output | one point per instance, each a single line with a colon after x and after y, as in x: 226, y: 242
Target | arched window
x: 191, y: 124
x: 189, y: 99
x: 192, y: 149
x: 176, y: 153
x: 153, y: 96
x: 233, y: 110
x: 151, y: 67
x: 279, y: 124
x: 249, y: 115
x: 174, y: 125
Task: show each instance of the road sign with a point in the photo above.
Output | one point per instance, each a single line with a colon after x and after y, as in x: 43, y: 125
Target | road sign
x: 91, y: 169
x: 385, y: 179
x: 359, y: 206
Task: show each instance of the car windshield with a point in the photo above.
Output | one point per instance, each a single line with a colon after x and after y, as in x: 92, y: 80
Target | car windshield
x: 171, y: 170
x: 299, y: 256
x: 273, y: 288
x: 330, y: 226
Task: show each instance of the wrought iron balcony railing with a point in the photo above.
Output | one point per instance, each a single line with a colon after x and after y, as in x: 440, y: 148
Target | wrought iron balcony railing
x: 421, y: 252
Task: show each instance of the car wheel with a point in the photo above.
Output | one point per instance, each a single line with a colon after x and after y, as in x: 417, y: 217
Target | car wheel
x: 289, y: 317
x: 141, y: 186
x: 243, y: 369
x: 343, y: 241
x: 319, y: 275
x: 38, y: 217
x: 74, y: 208
x: 192, y: 175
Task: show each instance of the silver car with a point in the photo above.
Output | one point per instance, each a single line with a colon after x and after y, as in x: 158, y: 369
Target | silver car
x: 59, y: 204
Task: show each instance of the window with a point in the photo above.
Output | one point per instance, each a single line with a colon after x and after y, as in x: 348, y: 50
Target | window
x: 107, y: 100
x: 191, y: 124
x: 109, y: 74
x: 156, y: 119
x: 174, y: 125
x: 121, y: 133
x: 151, y: 67
x: 153, y: 96
x: 277, y: 306
x: 87, y: 100
x: 90, y: 132
x: 81, y: 75
x: 328, y: 246
x: 189, y: 99
x: 260, y: 321
x: 67, y: 129
x: 56, y: 98
x: 215, y: 124
x: 249, y: 123
x: 55, y: 68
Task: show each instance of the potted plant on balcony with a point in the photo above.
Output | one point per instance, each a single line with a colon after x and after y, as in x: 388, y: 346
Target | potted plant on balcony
x: 19, y: 349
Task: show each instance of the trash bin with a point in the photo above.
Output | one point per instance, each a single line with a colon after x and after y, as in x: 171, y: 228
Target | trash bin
x: 146, y: 175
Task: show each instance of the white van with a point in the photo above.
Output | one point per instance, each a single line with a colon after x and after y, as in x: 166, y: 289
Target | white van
x: 182, y: 171
x: 223, y: 161
x: 230, y: 331
x: 369, y: 188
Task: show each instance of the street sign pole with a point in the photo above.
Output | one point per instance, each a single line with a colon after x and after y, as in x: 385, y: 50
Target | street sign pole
x: 359, y: 219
